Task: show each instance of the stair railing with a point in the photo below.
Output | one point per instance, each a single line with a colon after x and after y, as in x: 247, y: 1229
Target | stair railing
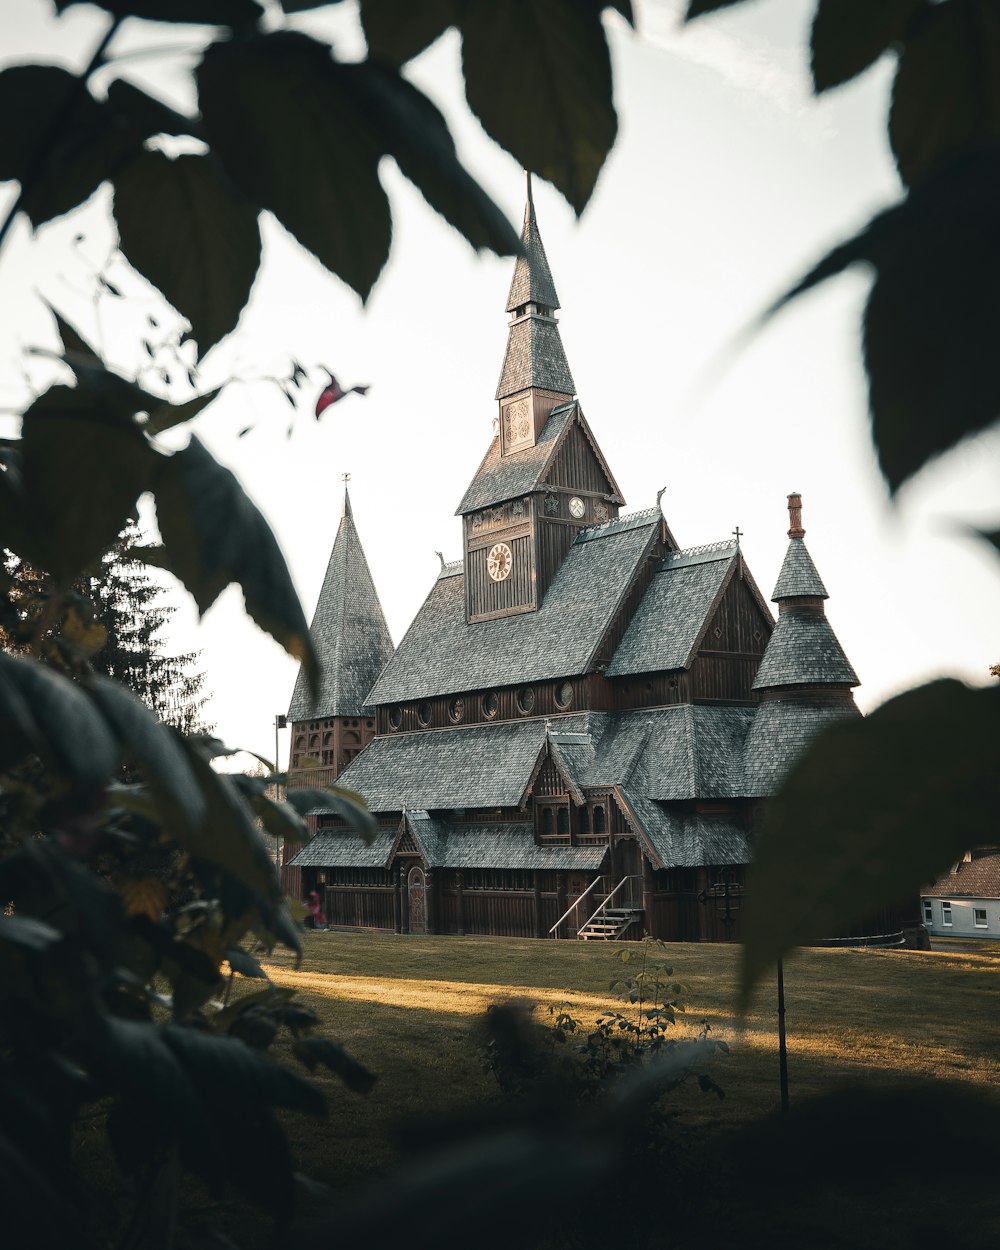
x: 575, y: 904
x: 605, y: 902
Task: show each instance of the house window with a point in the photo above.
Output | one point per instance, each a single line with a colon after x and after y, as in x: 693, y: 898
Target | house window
x: 979, y: 917
x: 599, y: 825
x: 928, y: 911
x: 946, y: 913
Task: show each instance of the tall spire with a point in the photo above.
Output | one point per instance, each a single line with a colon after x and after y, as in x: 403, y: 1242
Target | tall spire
x: 535, y: 356
x: 348, y: 631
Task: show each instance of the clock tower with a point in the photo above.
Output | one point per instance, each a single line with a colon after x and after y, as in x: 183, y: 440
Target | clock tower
x: 544, y: 477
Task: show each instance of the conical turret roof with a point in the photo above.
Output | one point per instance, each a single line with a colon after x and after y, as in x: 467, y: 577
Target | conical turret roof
x: 348, y: 631
x: 532, y: 280
x: 798, y: 577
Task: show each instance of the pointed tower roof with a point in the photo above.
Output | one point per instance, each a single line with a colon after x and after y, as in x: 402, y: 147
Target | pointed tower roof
x: 803, y: 650
x: 348, y: 631
x: 535, y: 355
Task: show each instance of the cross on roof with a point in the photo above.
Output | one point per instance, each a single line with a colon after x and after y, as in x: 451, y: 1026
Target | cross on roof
x: 738, y: 534
x: 345, y: 478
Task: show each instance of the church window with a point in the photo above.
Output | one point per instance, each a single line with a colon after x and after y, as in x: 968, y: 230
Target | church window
x: 423, y: 713
x: 562, y: 820
x: 525, y: 700
x: 491, y: 704
x: 300, y: 742
x: 395, y: 717
x: 456, y: 709
x: 599, y: 819
x: 313, y: 741
x: 369, y: 724
x: 327, y: 739
x: 584, y: 821
x: 548, y: 822
x: 327, y: 757
x: 564, y: 694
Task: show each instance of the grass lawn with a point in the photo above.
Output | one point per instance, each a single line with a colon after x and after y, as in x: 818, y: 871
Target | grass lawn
x: 409, y: 1008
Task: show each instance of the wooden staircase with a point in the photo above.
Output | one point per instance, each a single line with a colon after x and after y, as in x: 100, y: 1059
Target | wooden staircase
x: 609, y: 924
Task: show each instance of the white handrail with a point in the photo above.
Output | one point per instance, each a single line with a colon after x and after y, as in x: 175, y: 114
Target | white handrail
x: 576, y: 903
x: 605, y: 903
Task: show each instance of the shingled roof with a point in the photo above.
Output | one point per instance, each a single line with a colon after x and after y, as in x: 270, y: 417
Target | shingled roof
x: 668, y: 622
x: 343, y: 848
x: 532, y: 280
x: 519, y: 472
x: 535, y: 357
x: 780, y: 731
x: 680, y: 839
x: 804, y: 651
x: 441, y: 654
x: 348, y: 632
x: 975, y: 878
x: 798, y: 577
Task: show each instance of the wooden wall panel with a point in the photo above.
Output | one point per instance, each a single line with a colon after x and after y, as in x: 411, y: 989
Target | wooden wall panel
x: 576, y: 467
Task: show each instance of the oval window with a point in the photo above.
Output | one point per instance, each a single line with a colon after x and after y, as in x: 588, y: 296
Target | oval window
x: 424, y: 713
x: 456, y: 709
x: 491, y: 704
x: 564, y: 694
x: 525, y: 700
x: 395, y: 717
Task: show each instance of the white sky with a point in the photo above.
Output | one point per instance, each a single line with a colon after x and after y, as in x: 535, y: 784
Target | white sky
x: 727, y: 181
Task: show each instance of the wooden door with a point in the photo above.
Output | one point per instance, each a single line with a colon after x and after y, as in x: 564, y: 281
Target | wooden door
x: 417, y: 900
x: 576, y: 883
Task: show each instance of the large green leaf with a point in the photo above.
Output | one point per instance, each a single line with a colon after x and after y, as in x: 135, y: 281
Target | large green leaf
x: 291, y: 135
x: 538, y: 76
x: 83, y: 469
x: 397, y: 33
x: 151, y: 745
x: 166, y: 416
x: 313, y: 1051
x: 44, y: 713
x: 147, y: 115
x: 236, y: 13
x: 184, y: 227
x: 850, y: 35
x: 946, y: 98
x: 62, y: 145
x: 698, y: 7
x: 345, y: 803
x: 873, y: 810
x: 213, y: 535
x: 412, y: 131
x: 933, y: 321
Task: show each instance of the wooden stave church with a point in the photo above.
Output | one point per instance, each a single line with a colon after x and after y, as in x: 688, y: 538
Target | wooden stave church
x: 582, y: 718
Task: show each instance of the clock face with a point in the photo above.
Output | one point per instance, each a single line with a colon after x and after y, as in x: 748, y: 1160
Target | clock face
x: 499, y: 562
x: 577, y: 507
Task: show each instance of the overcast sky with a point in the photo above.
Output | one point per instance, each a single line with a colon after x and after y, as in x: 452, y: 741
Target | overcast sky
x: 727, y: 181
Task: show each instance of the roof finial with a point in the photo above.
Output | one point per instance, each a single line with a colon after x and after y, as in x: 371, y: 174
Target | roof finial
x: 795, y: 529
x: 527, y: 176
x: 440, y: 556
x: 737, y: 534
x: 659, y: 495
x: 346, y: 511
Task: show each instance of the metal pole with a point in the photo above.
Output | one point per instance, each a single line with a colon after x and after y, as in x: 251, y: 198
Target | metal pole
x: 782, y: 1049
x: 277, y: 797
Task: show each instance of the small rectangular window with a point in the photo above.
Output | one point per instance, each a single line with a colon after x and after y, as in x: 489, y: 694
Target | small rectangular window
x: 979, y: 917
x: 928, y: 912
x: 946, y: 913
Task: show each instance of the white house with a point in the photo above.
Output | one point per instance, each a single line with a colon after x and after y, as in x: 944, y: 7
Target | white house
x: 965, y: 902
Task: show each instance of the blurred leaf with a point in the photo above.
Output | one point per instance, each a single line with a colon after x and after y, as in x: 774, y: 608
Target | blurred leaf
x: 45, y: 713
x: 70, y: 443
x: 698, y: 7
x: 345, y: 803
x: 932, y: 321
x: 874, y: 810
x: 143, y: 896
x: 538, y: 77
x: 322, y: 1050
x: 184, y: 228
x: 28, y: 933
x: 294, y: 140
x: 850, y: 35
x: 397, y: 33
x: 231, y: 1070
x: 271, y: 995
x: 167, y: 416
x: 280, y: 820
x: 243, y: 962
x: 214, y: 535
x: 135, y: 1059
x: 412, y: 131
x: 234, y: 13
x: 151, y: 745
x: 993, y: 537
x: 147, y: 115
x: 302, y: 6
x: 72, y: 340
x: 946, y: 97
x: 56, y: 177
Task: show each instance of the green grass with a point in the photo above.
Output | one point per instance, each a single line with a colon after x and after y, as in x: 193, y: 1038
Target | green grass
x: 409, y: 1008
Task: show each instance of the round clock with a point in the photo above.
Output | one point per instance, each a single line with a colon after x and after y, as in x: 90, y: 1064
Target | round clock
x: 577, y: 507
x: 499, y: 561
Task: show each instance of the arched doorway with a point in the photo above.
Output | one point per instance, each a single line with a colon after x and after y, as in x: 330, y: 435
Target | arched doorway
x: 416, y: 899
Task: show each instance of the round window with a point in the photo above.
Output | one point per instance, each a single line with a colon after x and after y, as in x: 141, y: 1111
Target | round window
x: 525, y: 700
x: 424, y: 713
x: 564, y: 694
x: 456, y: 709
x: 395, y: 717
x: 491, y: 704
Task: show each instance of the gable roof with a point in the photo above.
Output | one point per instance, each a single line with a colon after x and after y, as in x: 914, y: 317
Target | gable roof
x: 666, y: 627
x: 442, y: 654
x: 798, y: 576
x: 976, y: 878
x: 804, y: 651
x: 506, y: 477
x: 348, y: 631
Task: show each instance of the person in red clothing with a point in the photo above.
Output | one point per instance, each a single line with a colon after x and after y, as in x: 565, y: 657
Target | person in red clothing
x: 316, y: 919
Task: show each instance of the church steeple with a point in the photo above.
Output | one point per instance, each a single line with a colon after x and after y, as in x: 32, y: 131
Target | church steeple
x: 535, y: 377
